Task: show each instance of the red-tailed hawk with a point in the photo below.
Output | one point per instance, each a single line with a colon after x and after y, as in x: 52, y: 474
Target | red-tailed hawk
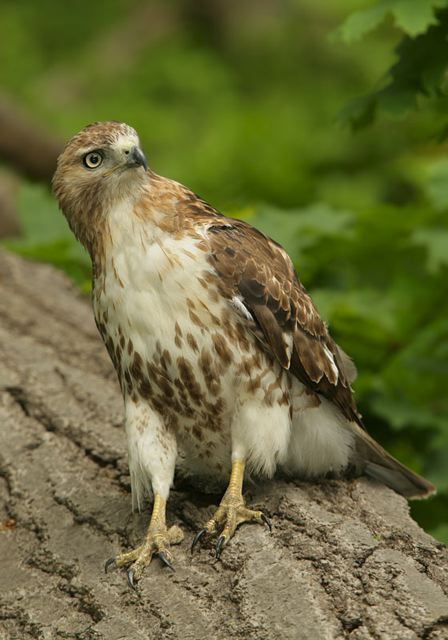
x: 223, y: 360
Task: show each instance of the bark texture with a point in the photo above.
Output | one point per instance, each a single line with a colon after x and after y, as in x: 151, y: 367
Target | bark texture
x: 344, y: 560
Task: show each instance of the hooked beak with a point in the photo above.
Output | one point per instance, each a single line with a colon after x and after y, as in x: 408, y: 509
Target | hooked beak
x: 136, y: 158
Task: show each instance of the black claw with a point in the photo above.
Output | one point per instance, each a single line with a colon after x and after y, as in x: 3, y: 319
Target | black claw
x: 131, y: 583
x: 165, y: 561
x: 198, y: 537
x: 110, y: 564
x: 219, y: 546
x: 267, y: 522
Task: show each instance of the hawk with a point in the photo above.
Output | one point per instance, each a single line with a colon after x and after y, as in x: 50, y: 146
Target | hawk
x: 223, y: 360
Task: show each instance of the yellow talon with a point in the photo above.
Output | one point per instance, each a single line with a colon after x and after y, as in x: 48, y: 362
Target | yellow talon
x: 157, y: 542
x: 231, y: 512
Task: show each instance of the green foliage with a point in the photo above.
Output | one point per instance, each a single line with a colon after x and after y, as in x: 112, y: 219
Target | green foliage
x: 421, y: 58
x: 46, y: 236
x: 436, y: 183
x: 411, y: 16
x: 245, y: 115
x: 436, y: 243
x: 301, y: 229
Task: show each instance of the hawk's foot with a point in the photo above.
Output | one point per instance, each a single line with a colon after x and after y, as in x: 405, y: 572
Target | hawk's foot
x: 157, y: 543
x: 231, y: 512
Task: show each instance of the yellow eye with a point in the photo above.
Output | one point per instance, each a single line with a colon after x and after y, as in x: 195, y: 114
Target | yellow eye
x: 93, y: 159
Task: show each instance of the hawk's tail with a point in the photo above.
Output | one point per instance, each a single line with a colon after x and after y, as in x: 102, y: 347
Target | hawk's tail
x: 376, y: 463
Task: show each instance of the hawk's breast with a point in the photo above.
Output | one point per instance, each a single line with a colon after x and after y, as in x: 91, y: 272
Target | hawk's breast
x: 178, y: 344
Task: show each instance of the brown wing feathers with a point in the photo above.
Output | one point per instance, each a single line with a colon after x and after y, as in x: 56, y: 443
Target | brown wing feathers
x: 271, y: 311
x: 261, y: 273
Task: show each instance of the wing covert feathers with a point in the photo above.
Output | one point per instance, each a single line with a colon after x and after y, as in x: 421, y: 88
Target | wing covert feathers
x: 260, y: 273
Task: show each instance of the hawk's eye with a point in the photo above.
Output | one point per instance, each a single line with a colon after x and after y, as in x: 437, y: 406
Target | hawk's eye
x: 93, y: 159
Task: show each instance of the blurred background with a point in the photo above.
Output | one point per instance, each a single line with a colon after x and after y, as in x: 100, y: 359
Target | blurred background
x: 323, y: 124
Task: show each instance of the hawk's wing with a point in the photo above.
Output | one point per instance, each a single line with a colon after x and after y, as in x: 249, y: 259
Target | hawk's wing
x: 258, y: 276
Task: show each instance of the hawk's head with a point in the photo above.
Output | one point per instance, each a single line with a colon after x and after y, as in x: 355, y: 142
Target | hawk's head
x: 99, y: 166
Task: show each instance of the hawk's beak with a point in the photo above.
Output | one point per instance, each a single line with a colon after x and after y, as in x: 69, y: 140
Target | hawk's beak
x: 136, y: 158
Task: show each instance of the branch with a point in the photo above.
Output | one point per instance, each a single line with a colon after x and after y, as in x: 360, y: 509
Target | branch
x: 9, y: 219
x: 24, y: 145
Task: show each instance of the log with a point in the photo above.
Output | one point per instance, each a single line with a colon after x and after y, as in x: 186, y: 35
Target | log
x: 9, y: 217
x: 24, y: 145
x: 344, y: 560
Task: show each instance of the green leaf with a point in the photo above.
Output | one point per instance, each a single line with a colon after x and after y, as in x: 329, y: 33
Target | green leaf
x: 421, y: 61
x: 435, y: 242
x: 300, y: 229
x: 39, y: 215
x: 360, y: 112
x: 419, y: 72
x: 360, y: 23
x: 436, y: 183
x: 413, y: 17
x: 412, y: 387
x: 46, y: 236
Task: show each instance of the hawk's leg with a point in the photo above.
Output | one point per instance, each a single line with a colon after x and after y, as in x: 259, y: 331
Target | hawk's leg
x: 157, y: 543
x: 231, y: 512
x: 152, y: 456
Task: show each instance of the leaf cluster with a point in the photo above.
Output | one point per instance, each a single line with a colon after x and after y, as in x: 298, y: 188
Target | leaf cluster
x: 418, y: 74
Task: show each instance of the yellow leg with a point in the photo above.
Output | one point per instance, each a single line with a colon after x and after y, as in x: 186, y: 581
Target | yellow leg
x: 231, y: 512
x: 157, y: 542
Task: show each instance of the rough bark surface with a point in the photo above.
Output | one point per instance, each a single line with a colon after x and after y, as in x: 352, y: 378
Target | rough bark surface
x: 344, y: 560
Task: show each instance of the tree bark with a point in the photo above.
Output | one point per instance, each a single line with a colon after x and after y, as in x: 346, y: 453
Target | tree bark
x: 344, y: 559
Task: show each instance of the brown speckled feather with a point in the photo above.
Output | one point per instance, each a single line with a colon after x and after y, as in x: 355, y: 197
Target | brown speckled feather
x: 260, y: 273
